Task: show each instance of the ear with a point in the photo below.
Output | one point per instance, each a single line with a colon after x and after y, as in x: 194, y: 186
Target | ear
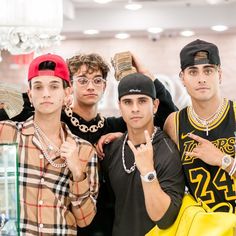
x: 156, y: 103
x: 68, y: 91
x: 29, y: 95
x: 104, y: 88
x: 220, y: 75
x: 181, y: 76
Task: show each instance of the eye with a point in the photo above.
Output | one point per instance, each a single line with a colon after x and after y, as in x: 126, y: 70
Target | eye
x: 192, y: 72
x: 98, y: 80
x: 83, y: 81
x: 208, y: 71
x: 37, y: 87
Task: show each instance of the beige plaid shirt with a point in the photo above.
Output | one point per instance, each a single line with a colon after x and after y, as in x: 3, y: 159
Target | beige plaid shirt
x: 50, y: 202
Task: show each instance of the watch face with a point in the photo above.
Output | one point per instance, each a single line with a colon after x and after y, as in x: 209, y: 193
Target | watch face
x: 151, y: 176
x: 227, y: 160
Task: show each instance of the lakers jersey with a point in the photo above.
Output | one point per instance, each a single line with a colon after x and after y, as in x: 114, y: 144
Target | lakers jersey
x: 209, y: 183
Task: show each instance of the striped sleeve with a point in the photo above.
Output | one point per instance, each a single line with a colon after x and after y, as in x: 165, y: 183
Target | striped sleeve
x: 83, y: 194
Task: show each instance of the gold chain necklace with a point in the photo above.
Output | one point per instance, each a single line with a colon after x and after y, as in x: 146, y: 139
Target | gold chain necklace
x: 84, y: 128
x: 210, y: 120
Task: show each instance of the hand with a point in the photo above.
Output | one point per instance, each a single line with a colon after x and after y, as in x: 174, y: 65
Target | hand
x: 105, y: 139
x: 141, y: 68
x: 69, y: 152
x: 206, y: 151
x: 143, y: 155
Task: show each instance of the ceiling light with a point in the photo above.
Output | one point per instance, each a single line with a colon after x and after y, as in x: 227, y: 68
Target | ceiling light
x: 154, y: 30
x: 91, y: 32
x: 102, y: 1
x: 219, y: 28
x: 214, y: 2
x: 122, y: 36
x: 133, y: 6
x: 187, y: 33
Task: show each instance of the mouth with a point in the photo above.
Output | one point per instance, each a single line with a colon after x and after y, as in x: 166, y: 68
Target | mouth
x: 136, y: 118
x: 202, y: 88
x: 90, y: 95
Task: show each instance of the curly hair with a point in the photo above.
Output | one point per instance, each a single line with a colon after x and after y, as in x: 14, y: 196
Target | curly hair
x: 93, y: 62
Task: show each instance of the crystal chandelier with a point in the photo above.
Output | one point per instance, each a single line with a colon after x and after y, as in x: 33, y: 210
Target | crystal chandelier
x: 30, y: 25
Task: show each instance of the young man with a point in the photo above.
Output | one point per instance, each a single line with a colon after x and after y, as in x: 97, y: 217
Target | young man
x: 143, y: 166
x: 58, y: 177
x: 205, y: 131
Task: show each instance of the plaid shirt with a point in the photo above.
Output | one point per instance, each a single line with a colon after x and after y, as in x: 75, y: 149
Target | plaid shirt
x: 50, y: 202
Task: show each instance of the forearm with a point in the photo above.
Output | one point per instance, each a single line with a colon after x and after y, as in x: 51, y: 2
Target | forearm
x: 84, y: 193
x: 156, y: 200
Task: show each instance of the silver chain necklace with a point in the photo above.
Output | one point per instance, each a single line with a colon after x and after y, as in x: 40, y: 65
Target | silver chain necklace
x: 208, y: 121
x: 41, y: 135
x: 84, y: 128
x: 132, y: 168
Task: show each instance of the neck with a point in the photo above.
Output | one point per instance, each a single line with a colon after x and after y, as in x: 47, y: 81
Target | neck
x: 206, y: 109
x: 136, y: 136
x: 86, y: 112
x: 50, y: 125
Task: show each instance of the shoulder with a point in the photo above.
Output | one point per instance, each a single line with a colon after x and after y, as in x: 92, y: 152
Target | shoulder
x: 170, y: 126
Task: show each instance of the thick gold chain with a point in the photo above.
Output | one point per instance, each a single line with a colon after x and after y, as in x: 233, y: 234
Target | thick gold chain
x: 84, y: 128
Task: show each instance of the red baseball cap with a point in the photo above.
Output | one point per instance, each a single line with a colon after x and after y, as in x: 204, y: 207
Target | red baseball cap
x: 61, y: 69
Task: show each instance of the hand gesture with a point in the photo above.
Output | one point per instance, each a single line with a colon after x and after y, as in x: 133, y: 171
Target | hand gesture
x: 143, y: 155
x: 69, y: 152
x: 206, y: 151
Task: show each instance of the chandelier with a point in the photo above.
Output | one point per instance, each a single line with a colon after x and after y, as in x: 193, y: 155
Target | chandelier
x: 30, y: 25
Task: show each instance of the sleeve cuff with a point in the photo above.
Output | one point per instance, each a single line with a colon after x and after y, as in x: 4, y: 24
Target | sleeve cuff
x: 79, y: 188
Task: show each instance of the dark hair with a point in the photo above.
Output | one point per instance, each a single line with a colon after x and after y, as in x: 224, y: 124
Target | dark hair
x: 93, y: 62
x: 50, y: 65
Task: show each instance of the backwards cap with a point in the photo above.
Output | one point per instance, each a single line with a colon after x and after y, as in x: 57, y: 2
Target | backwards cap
x: 188, y: 53
x: 136, y: 83
x: 61, y: 68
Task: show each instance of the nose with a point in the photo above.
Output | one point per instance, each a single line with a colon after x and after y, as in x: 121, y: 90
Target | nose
x: 46, y: 93
x: 90, y: 84
x: 201, y: 78
x: 135, y: 107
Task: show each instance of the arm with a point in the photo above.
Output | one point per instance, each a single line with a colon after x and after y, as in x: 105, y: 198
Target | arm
x: 84, y: 185
x: 166, y: 105
x: 163, y: 195
x: 170, y: 128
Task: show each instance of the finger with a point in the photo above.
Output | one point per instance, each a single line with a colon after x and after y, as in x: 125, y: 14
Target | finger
x: 196, y: 137
x: 99, y: 150
x: 132, y: 147
x: 148, y: 138
x: 192, y: 154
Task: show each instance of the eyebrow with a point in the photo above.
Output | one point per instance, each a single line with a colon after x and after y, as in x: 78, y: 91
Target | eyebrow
x: 82, y: 76
x: 206, y: 66
x: 51, y: 82
x: 130, y: 99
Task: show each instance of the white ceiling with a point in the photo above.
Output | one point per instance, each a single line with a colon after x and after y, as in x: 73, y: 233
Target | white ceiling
x: 172, y: 15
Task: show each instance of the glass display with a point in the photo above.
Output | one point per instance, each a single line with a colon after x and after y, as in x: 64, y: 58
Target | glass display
x: 9, y: 190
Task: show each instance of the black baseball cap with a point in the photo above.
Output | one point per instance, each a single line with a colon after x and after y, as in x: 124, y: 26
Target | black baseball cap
x: 136, y: 83
x: 188, y: 53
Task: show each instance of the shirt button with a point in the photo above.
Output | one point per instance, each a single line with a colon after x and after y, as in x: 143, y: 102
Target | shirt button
x: 41, y: 226
x: 42, y: 180
x: 41, y: 156
x: 40, y: 202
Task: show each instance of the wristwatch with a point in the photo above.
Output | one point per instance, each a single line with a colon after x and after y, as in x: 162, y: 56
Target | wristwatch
x: 149, y: 177
x: 226, y: 161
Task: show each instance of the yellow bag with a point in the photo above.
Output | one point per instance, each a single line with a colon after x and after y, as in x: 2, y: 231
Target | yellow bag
x: 197, y: 219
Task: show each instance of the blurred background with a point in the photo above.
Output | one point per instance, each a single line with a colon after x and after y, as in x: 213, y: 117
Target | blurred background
x: 154, y: 30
